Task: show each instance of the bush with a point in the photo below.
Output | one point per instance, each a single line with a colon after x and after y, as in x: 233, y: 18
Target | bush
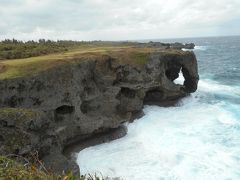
x: 11, y: 169
x: 14, y: 49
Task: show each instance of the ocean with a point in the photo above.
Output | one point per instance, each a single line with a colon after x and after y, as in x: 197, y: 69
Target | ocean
x: 198, y: 139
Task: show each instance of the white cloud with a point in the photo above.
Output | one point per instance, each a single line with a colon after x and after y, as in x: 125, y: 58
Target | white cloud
x: 117, y: 19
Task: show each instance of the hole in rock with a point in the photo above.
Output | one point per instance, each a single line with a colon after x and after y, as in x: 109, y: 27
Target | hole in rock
x: 1, y: 138
x: 14, y: 101
x: 180, y: 80
x: 175, y: 75
x: 128, y: 92
x: 3, y: 123
x: 65, y: 109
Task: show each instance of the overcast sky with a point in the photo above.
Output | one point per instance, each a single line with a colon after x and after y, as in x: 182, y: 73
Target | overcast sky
x: 117, y: 19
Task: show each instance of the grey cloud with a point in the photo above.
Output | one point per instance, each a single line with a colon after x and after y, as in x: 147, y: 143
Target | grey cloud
x: 115, y: 19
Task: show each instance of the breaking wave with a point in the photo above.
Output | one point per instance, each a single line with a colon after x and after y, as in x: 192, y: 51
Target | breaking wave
x: 197, y: 48
x: 198, y: 139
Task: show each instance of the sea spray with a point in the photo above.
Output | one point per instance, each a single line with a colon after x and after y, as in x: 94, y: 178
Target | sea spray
x: 194, y: 140
x: 197, y: 139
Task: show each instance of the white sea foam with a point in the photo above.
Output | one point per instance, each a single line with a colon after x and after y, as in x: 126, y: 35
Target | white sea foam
x: 201, y: 48
x: 180, y: 79
x: 197, y: 140
x: 210, y: 86
x: 196, y: 48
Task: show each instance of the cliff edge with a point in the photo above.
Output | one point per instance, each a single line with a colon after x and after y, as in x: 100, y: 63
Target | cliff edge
x: 52, y: 102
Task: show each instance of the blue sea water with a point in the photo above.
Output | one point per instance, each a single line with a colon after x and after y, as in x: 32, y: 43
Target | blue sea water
x: 199, y: 139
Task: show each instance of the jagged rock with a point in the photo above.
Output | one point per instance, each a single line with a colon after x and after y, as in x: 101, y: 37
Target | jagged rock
x: 182, y: 46
x: 189, y: 46
x: 56, y: 109
x: 161, y: 45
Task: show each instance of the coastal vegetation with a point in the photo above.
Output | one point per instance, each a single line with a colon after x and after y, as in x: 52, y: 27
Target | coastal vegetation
x: 62, y: 52
x: 11, y: 169
x: 19, y: 59
x: 14, y: 49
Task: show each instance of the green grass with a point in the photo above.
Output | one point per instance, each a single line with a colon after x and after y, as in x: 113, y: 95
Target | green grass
x: 11, y: 170
x: 34, y: 65
x: 31, y: 66
x: 18, y: 114
x: 15, y: 138
x: 25, y: 112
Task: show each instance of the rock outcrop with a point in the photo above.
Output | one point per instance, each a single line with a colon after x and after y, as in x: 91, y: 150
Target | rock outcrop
x: 182, y: 46
x: 161, y: 45
x: 57, y: 108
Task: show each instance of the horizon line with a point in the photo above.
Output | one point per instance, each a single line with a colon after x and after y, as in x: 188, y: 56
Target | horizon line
x: 130, y: 40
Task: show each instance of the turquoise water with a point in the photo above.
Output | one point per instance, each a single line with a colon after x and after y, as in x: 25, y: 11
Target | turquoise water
x: 198, y: 139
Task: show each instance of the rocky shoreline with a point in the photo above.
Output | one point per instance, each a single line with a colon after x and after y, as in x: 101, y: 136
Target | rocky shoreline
x: 108, y: 136
x: 87, y: 100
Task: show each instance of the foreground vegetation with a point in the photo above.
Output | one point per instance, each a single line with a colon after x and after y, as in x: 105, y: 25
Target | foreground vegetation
x: 11, y: 170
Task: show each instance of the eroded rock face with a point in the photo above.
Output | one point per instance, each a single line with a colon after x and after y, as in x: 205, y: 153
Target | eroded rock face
x: 75, y: 101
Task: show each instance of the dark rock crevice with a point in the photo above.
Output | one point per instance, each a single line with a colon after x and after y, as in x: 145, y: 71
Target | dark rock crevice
x: 1, y: 139
x: 65, y: 109
x: 129, y: 93
x: 173, y: 69
x: 63, y: 112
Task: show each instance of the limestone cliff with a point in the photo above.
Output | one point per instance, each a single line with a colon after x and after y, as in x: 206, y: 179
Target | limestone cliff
x: 55, y: 108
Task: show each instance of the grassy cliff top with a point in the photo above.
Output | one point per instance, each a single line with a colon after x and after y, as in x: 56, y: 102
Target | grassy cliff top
x: 125, y: 53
